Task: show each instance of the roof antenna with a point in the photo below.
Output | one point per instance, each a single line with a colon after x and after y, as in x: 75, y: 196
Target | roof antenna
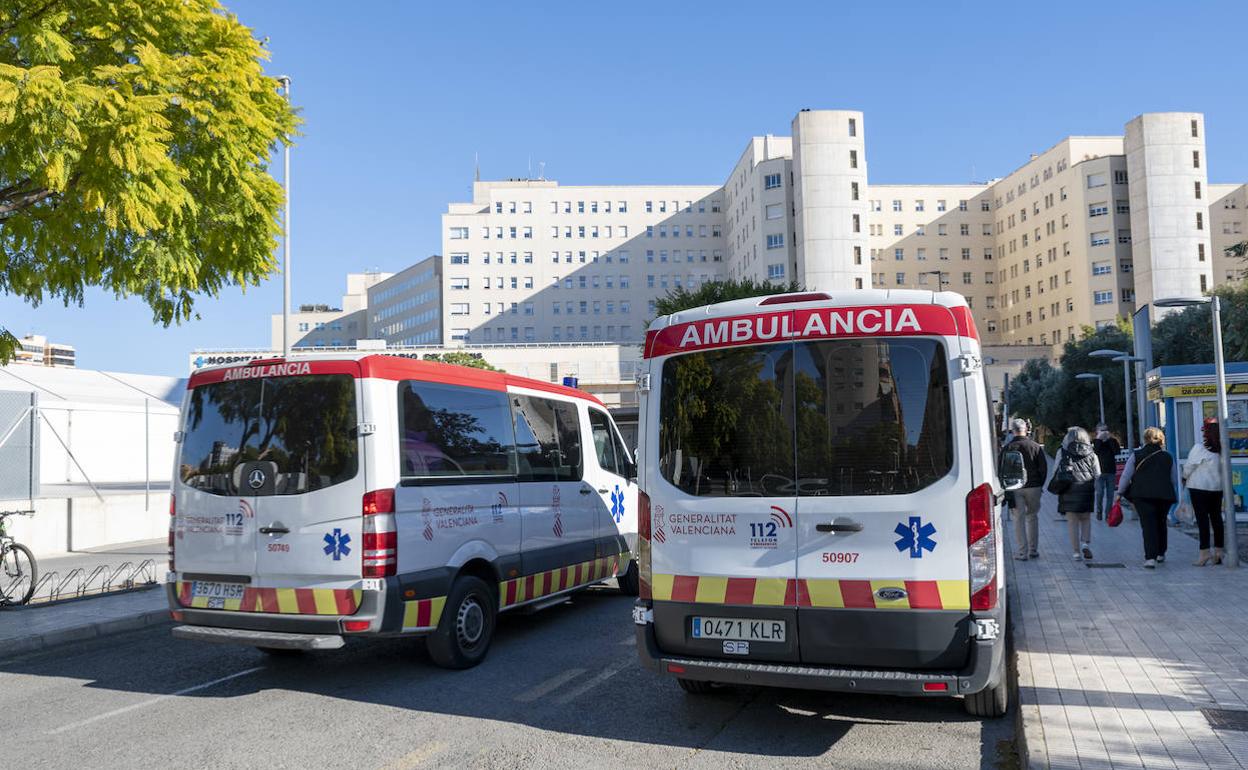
x: 476, y: 163
x: 541, y: 171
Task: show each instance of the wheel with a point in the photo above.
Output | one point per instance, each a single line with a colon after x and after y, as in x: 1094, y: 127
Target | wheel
x: 630, y: 581
x: 695, y: 686
x: 467, y: 625
x: 281, y: 652
x: 992, y: 702
x: 20, y: 575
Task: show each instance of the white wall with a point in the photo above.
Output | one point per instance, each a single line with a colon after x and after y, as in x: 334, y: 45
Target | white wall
x: 109, y: 442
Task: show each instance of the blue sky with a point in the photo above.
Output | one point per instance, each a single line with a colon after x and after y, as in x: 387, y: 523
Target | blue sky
x: 397, y: 98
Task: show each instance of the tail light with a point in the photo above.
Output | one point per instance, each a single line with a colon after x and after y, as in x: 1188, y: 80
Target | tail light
x: 981, y: 539
x: 381, y: 540
x: 173, y: 517
x: 643, y: 544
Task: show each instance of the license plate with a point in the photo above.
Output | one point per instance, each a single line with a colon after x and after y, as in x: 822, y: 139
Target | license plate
x: 221, y: 591
x: 743, y: 629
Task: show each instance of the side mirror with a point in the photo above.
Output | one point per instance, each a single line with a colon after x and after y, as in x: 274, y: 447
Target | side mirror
x: 1013, y: 473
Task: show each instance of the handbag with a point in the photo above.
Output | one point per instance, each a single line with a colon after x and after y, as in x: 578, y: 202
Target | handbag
x: 1115, y: 514
x: 1063, y: 477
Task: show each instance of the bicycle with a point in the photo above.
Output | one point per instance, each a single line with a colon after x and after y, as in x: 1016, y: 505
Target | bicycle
x: 17, y: 565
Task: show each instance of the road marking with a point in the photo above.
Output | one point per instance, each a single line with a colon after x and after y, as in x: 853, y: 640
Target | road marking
x: 153, y: 701
x: 417, y: 757
x: 601, y: 677
x: 550, y: 685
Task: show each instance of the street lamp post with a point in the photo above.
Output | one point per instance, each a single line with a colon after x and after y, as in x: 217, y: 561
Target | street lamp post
x: 1100, y: 391
x: 1219, y: 366
x: 940, y: 278
x: 285, y: 81
x: 1126, y: 359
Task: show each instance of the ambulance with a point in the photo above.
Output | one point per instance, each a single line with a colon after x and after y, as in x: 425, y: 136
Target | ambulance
x: 819, y: 498
x: 317, y: 499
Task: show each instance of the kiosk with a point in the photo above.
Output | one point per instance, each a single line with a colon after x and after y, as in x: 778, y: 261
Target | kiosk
x: 1183, y: 396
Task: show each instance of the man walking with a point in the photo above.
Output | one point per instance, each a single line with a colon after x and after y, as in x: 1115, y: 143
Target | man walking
x: 1026, y: 507
x: 1107, y: 449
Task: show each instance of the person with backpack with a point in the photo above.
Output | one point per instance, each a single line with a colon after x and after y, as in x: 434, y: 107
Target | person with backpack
x: 1107, y: 449
x: 1202, y: 471
x: 1074, y: 483
x: 1148, y: 483
x: 1025, y: 502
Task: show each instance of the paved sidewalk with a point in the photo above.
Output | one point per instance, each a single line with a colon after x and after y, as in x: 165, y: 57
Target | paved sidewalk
x: 35, y: 627
x: 1116, y: 664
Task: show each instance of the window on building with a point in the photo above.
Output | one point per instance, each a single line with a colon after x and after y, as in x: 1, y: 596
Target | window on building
x: 1102, y: 268
x: 853, y: 159
x: 459, y: 233
x: 771, y: 181
x: 1200, y: 220
x: 775, y: 271
x: 775, y: 240
x: 1102, y: 297
x: 1120, y: 177
x: 918, y: 205
x: 1195, y: 131
x: 1094, y: 180
x: 773, y: 211
x: 1098, y: 209
x: 1195, y: 158
x: 901, y: 279
x: 1100, y: 238
x: 853, y: 127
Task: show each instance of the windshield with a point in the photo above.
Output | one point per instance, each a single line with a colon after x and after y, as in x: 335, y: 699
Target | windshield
x: 303, y: 428
x: 836, y: 417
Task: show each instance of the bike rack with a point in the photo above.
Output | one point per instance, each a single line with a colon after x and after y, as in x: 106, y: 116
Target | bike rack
x: 101, y: 580
x: 78, y: 574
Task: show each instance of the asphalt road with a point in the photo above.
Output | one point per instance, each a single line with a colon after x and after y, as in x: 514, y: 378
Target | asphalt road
x: 561, y: 688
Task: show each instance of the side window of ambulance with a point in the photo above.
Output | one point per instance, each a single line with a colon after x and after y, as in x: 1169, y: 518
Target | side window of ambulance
x: 548, y: 439
x: 604, y: 442
x: 448, y: 431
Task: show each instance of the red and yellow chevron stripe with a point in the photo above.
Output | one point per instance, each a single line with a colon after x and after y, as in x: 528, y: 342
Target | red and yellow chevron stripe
x: 529, y: 587
x: 830, y: 594
x: 283, y: 601
x: 423, y: 613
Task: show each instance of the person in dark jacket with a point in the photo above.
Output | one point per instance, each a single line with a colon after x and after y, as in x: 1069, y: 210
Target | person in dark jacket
x: 1025, y: 508
x: 1107, y: 449
x: 1077, y: 458
x: 1148, y: 482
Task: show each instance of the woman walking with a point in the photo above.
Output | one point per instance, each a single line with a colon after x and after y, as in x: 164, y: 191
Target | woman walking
x: 1077, y: 462
x: 1202, y: 470
x: 1148, y: 483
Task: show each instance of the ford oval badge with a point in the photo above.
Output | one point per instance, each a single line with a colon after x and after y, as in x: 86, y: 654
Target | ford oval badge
x: 891, y: 594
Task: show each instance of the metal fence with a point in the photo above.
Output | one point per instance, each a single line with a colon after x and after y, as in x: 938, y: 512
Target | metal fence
x: 19, y: 445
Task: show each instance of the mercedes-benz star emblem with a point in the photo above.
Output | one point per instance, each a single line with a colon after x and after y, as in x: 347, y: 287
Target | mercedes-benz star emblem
x: 256, y: 478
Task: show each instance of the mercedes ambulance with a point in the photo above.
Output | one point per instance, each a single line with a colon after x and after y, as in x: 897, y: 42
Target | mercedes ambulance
x: 316, y: 499
x: 818, y: 504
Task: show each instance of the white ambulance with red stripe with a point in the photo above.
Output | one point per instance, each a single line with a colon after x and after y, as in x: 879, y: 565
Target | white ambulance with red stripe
x: 819, y: 498
x: 316, y: 499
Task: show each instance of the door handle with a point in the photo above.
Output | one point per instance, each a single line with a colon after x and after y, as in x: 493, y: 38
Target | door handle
x: 839, y: 526
x: 586, y: 491
x: 274, y: 530
x: 603, y: 491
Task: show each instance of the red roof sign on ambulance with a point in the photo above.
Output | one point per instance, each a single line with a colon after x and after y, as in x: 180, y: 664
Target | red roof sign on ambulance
x: 816, y: 323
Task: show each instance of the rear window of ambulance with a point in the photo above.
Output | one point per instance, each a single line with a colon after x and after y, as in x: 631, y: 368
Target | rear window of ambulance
x: 834, y: 417
x: 305, y: 426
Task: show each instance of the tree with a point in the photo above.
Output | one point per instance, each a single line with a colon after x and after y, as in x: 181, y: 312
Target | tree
x: 1239, y: 251
x: 135, y: 137
x: 1186, y: 336
x: 462, y: 358
x: 681, y: 298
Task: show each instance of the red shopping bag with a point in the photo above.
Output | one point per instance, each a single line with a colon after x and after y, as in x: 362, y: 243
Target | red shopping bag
x: 1115, y: 514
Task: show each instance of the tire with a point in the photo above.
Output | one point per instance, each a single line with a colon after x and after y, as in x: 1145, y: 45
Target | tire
x: 466, y: 628
x: 992, y: 702
x: 18, y: 563
x: 630, y: 581
x: 695, y: 686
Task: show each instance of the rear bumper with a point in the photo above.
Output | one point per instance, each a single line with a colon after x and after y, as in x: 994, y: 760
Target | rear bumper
x: 274, y: 639
x: 983, y: 670
x: 371, y: 609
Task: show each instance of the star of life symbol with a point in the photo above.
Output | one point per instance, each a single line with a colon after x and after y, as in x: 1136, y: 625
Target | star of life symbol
x: 336, y: 544
x: 915, y: 537
x: 617, y: 504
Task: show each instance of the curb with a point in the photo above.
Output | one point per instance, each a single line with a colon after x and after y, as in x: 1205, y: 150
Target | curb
x: 1028, y: 729
x: 82, y: 632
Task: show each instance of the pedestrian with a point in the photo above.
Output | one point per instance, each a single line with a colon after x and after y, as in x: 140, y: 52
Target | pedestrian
x: 1148, y: 483
x: 1107, y: 449
x: 1077, y: 461
x: 1025, y: 508
x: 1202, y: 471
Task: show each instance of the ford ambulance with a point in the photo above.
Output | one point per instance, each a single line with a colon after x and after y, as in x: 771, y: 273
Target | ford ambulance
x: 819, y: 498
x: 319, y: 499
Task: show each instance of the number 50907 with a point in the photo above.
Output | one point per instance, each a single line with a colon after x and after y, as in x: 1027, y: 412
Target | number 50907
x: 840, y: 557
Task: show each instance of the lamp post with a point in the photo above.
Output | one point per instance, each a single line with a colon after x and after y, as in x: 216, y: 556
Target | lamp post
x: 1126, y: 359
x: 1219, y: 367
x: 285, y: 81
x: 1100, y: 390
x: 940, y: 278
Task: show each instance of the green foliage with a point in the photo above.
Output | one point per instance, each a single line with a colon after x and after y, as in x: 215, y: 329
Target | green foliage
x: 1186, y: 336
x: 719, y: 291
x: 135, y: 138
x: 462, y: 358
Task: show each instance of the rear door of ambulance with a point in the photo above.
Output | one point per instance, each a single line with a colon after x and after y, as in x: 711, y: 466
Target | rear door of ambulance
x: 883, y: 471
x: 289, y: 444
x: 719, y: 471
